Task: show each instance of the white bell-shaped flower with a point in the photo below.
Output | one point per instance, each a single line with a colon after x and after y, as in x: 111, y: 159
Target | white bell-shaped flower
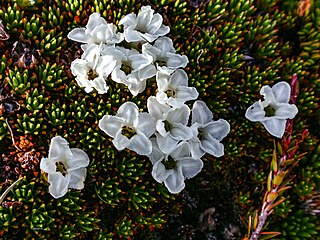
x: 171, y: 124
x: 274, y: 110
x: 173, y: 89
x: 207, y: 133
x: 66, y: 167
x: 173, y: 168
x: 92, y: 69
x: 96, y: 31
x: 129, y: 128
x: 146, y: 27
x: 164, y: 55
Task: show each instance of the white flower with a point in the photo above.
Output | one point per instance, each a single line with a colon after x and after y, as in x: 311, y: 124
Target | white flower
x: 173, y: 89
x: 207, y: 133
x: 175, y: 167
x: 170, y: 124
x: 274, y: 110
x: 66, y: 167
x: 92, y: 69
x: 164, y: 54
x: 146, y: 27
x: 96, y: 31
x: 129, y: 128
x: 132, y: 69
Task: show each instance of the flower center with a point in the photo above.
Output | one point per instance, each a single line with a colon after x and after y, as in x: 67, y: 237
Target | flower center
x: 60, y: 167
x: 126, y: 68
x: 200, y: 134
x: 270, y: 111
x: 170, y: 93
x: 92, y: 74
x: 161, y: 63
x: 169, y: 163
x: 129, y: 132
x: 167, y: 126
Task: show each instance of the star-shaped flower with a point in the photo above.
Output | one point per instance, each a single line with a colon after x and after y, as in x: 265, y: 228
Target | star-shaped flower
x: 174, y: 89
x: 92, y: 69
x: 164, y: 55
x: 274, y: 110
x: 146, y: 27
x: 207, y: 133
x: 171, y: 124
x: 66, y: 167
x: 175, y: 167
x: 129, y: 128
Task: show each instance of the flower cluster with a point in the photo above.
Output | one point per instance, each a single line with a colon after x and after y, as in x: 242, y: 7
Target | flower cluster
x: 129, y: 58
x: 173, y: 140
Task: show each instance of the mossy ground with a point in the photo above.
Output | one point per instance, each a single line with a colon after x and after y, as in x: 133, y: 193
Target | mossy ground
x: 234, y: 48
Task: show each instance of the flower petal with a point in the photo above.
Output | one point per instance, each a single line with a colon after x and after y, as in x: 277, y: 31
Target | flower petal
x: 111, y: 125
x: 286, y: 111
x: 77, y: 178
x: 179, y: 115
x: 181, y: 151
x: 196, y: 151
x: 144, y: 17
x: 79, y: 159
x: 159, y: 172
x: 100, y: 85
x: 212, y: 146
x: 156, y: 154
x: 187, y: 93
x: 165, y: 45
x: 201, y: 113
x: 58, y: 184
x: 106, y: 65
x: 274, y: 126
x: 180, y: 132
x: 120, y: 142
x: 255, y: 112
x: 176, y: 60
x: 268, y: 95
x: 190, y: 166
x: 156, y: 109
x: 140, y: 144
x: 147, y: 72
x: 146, y: 124
x: 155, y: 23
x: 179, y: 78
x: 48, y: 164
x: 59, y: 147
x: 217, y: 129
x: 129, y: 21
x: 175, y: 181
x: 94, y: 21
x: 79, y: 35
x: 166, y: 144
x: 131, y: 35
x: 129, y: 112
x: 162, y: 81
x: 139, y: 61
x: 282, y: 91
x: 163, y: 30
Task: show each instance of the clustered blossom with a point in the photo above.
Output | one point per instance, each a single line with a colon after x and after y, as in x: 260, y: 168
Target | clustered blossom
x: 274, y: 110
x: 172, y: 135
x: 164, y: 133
x: 130, y: 58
